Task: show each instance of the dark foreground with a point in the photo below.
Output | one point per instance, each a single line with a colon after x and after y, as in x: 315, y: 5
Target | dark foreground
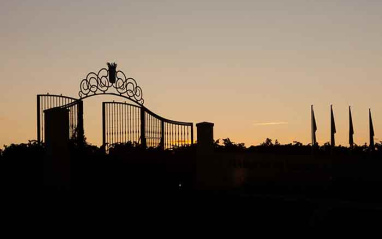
x: 226, y: 191
x: 195, y: 211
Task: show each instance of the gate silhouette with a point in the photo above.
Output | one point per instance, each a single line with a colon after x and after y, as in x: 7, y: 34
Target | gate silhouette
x: 121, y: 122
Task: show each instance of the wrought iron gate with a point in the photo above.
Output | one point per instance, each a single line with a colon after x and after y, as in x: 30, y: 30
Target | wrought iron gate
x: 75, y: 107
x: 123, y: 122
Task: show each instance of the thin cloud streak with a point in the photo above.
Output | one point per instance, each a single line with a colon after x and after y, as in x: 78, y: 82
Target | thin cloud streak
x: 269, y: 123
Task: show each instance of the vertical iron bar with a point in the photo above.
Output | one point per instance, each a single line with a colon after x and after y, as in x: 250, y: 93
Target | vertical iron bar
x: 103, y: 125
x: 80, y: 122
x: 108, y: 124
x: 174, y: 141
x: 192, y: 134
x: 135, y: 128
x: 178, y: 136
x: 138, y: 115
x: 167, y: 136
x: 129, y: 119
x: 112, y: 123
x: 143, y: 127
x: 117, y: 122
x: 152, y: 131
x: 43, y: 119
x: 148, y: 136
x: 162, y: 144
x: 188, y: 136
x: 38, y: 120
x: 123, y: 124
x: 134, y: 124
x: 120, y: 123
x: 172, y: 135
x: 155, y: 131
x: 164, y: 134
x: 182, y: 135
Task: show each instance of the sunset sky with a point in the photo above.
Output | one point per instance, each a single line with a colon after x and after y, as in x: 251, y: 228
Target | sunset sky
x: 253, y: 68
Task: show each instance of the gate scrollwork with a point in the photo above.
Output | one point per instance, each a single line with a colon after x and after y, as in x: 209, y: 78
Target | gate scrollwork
x: 101, y: 82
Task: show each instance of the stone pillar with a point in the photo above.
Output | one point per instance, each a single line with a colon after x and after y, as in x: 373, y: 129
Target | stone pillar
x: 57, y: 161
x: 205, y: 131
x: 210, y: 171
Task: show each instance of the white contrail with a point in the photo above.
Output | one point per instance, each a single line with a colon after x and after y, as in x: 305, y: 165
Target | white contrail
x: 270, y: 123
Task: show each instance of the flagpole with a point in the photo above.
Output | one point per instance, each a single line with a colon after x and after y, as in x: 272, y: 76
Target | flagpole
x: 371, y: 131
x: 332, y: 127
x: 351, y: 129
x: 314, y: 126
x: 311, y: 124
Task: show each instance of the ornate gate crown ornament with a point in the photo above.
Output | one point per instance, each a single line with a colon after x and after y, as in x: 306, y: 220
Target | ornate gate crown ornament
x: 99, y: 83
x: 112, y: 71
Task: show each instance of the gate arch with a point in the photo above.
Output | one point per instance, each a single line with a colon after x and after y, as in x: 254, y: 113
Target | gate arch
x: 121, y: 122
x: 105, y: 79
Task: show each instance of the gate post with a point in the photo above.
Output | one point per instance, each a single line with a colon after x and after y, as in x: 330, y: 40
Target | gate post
x: 57, y: 160
x: 80, y: 125
x: 143, y: 128
x: 205, y: 137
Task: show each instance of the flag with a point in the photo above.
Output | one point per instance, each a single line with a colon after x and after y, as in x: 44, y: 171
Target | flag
x: 332, y: 127
x: 351, y: 130
x: 371, y: 130
x: 314, y: 127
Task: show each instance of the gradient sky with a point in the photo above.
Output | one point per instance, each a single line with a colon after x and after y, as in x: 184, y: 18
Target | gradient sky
x: 251, y: 67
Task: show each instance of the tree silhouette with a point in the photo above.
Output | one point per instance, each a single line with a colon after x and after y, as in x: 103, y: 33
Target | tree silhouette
x: 267, y: 142
x: 277, y: 143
